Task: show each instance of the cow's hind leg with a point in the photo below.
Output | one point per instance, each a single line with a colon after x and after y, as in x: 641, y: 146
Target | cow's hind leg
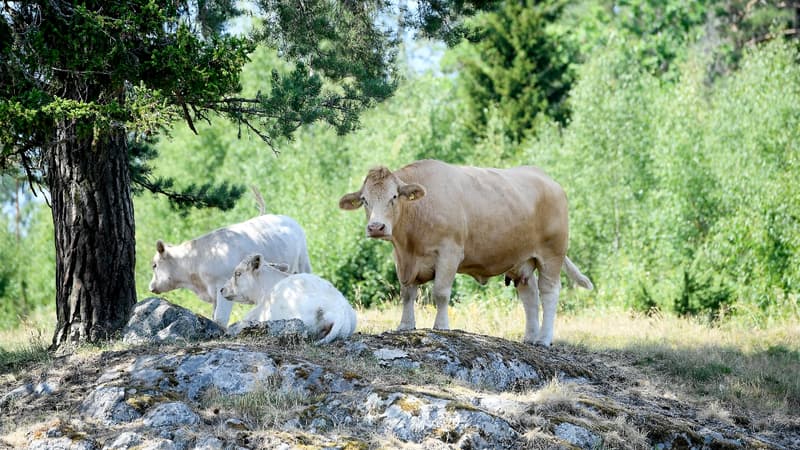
x: 549, y: 289
x: 408, y: 294
x: 528, y: 293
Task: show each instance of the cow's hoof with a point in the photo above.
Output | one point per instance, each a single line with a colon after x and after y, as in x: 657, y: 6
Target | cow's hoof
x: 540, y: 343
x: 404, y: 327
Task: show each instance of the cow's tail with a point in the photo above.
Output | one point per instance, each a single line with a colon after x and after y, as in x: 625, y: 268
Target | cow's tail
x: 575, y: 274
x: 262, y: 207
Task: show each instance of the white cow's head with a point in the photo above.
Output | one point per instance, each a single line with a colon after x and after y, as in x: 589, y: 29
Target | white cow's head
x: 253, y: 279
x: 168, y: 272
x: 382, y: 196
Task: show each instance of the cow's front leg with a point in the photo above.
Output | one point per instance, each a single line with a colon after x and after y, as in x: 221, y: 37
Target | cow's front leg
x: 442, y: 287
x: 528, y: 293
x: 222, y: 309
x: 409, y: 295
x: 549, y: 288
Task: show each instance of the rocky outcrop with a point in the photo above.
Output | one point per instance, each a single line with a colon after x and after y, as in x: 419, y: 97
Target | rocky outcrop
x: 155, y: 320
x: 270, y: 387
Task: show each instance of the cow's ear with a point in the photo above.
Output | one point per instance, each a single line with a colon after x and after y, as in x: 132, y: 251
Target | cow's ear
x: 282, y: 267
x: 411, y: 191
x: 255, y: 262
x: 350, y: 201
x: 160, y: 246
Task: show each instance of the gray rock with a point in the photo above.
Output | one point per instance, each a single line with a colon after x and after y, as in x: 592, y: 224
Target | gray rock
x: 181, y: 437
x: 107, y: 404
x: 158, y: 444
x: 492, y: 371
x: 286, y: 332
x: 715, y: 439
x: 357, y: 348
x: 500, y: 405
x: 209, y: 443
x: 62, y: 443
x: 46, y: 388
x: 310, y: 379
x: 577, y: 436
x: 155, y: 320
x: 28, y: 389
x: 389, y: 354
x: 173, y: 414
x: 125, y: 441
x: 395, y: 357
x: 16, y: 394
x: 416, y: 418
x: 229, y: 371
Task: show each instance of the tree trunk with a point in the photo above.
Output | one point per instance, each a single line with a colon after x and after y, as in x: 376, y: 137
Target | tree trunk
x: 89, y: 183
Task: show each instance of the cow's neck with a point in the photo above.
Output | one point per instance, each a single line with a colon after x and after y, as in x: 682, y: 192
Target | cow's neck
x: 197, y: 285
x: 186, y: 252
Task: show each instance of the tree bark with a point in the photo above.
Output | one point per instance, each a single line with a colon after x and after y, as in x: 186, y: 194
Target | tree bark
x: 89, y: 183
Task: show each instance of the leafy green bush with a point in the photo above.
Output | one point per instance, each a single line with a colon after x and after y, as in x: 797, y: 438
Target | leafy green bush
x: 683, y: 187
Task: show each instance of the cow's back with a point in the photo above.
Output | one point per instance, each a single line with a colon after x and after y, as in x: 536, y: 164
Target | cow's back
x: 498, y: 216
x: 279, y: 238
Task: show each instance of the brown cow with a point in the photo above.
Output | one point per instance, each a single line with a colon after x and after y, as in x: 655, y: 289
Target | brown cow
x: 444, y: 219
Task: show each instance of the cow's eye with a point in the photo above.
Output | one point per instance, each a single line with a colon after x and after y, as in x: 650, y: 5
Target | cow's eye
x: 154, y: 266
x: 237, y: 274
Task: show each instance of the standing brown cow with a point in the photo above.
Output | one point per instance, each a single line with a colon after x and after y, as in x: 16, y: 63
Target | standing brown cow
x: 444, y: 219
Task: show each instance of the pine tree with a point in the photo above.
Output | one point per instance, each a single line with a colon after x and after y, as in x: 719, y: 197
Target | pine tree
x: 516, y: 66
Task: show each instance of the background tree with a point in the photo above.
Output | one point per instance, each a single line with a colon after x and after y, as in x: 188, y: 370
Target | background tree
x: 515, y: 64
x: 80, y: 81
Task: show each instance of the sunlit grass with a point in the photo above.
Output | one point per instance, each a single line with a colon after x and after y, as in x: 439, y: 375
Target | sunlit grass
x: 26, y: 344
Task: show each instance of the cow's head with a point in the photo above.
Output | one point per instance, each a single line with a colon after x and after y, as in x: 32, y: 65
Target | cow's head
x: 253, y: 279
x: 167, y: 271
x: 382, y: 195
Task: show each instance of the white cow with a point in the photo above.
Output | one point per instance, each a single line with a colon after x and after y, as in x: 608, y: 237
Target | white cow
x: 279, y: 295
x: 205, y: 263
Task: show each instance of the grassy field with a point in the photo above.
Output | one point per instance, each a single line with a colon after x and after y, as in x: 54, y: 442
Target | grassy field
x: 730, y: 367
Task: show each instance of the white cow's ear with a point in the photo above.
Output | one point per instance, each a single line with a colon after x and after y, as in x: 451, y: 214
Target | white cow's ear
x: 283, y: 267
x: 350, y: 201
x: 255, y: 262
x: 411, y: 191
x: 160, y: 246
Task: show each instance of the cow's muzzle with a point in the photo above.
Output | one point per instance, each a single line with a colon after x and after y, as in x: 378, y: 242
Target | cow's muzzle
x: 377, y: 230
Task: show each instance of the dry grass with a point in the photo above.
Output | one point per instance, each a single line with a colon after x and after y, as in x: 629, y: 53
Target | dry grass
x: 264, y: 407
x: 23, y: 345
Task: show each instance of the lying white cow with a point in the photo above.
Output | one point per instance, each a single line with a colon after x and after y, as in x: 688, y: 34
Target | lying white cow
x: 279, y: 295
x: 205, y: 263
x: 443, y: 219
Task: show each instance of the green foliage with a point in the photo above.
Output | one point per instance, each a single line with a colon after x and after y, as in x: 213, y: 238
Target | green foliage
x: 682, y: 187
x: 516, y: 66
x: 26, y: 277
x: 367, y: 277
